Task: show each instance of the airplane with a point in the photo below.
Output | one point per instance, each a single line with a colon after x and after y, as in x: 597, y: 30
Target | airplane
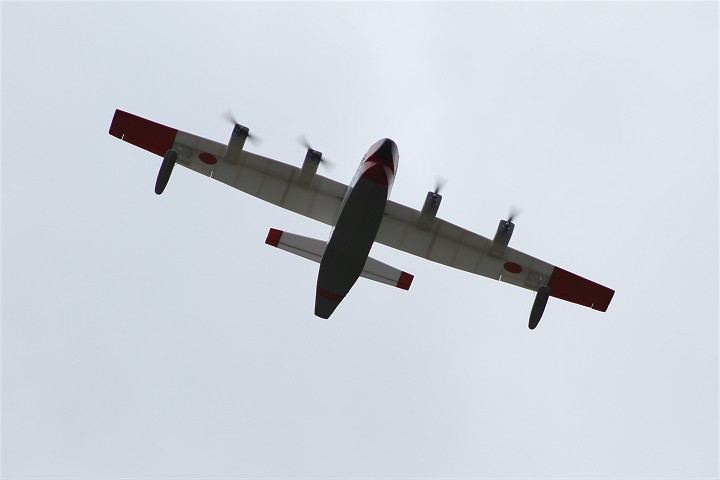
x: 360, y: 214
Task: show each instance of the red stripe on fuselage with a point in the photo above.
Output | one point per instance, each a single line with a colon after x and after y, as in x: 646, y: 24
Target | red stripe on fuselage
x: 329, y: 295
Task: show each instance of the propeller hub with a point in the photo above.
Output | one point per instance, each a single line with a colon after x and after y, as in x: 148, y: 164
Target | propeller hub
x: 240, y: 130
x: 313, y: 155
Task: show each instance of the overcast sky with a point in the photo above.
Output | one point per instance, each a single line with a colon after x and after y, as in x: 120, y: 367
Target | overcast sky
x: 159, y: 337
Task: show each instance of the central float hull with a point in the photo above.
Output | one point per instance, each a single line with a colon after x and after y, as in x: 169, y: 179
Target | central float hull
x: 356, y: 227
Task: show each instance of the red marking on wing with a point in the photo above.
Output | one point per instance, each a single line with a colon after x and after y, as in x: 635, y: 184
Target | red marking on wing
x: 273, y: 237
x: 208, y: 158
x: 574, y: 288
x: 405, y: 281
x: 329, y: 295
x: 513, y: 267
x: 146, y: 134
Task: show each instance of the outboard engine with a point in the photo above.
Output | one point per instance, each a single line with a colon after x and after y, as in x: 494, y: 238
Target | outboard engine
x: 429, y: 210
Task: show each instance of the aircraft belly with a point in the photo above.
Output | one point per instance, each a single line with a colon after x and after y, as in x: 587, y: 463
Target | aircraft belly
x: 349, y: 245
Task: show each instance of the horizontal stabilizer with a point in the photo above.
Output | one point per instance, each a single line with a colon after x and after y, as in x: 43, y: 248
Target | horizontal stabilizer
x: 313, y: 249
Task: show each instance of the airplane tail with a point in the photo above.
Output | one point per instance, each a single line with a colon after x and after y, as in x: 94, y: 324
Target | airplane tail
x: 313, y: 249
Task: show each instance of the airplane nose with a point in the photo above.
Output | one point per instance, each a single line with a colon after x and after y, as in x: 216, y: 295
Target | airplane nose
x: 381, y: 161
x: 387, y: 150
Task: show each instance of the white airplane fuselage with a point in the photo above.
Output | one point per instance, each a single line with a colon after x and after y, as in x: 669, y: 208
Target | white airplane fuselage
x: 356, y: 227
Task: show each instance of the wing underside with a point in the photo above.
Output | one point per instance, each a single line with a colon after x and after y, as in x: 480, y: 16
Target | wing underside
x: 270, y: 180
x: 321, y: 199
x: 450, y: 245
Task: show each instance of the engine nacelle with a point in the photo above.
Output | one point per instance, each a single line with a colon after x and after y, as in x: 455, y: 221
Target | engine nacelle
x: 309, y: 167
x: 237, y: 143
x: 502, y: 238
x: 429, y: 210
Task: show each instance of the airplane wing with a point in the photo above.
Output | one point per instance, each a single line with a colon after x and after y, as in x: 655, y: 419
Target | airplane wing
x: 450, y: 245
x: 273, y: 181
x: 320, y: 198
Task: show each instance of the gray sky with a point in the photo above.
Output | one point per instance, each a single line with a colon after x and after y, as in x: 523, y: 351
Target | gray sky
x: 157, y: 337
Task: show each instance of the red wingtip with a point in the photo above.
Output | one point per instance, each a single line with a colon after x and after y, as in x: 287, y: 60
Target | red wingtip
x: 273, y: 237
x: 146, y: 134
x: 576, y: 289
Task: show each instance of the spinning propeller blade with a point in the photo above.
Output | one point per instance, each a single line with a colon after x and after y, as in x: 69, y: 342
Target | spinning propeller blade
x: 302, y: 140
x: 514, y: 212
x: 228, y: 115
x: 439, y: 184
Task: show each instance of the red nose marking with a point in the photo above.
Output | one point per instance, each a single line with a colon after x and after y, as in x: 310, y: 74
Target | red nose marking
x: 376, y: 172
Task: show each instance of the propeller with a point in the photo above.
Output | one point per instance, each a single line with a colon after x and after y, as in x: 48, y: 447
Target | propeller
x: 302, y: 140
x: 514, y: 212
x: 439, y: 184
x: 228, y: 115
